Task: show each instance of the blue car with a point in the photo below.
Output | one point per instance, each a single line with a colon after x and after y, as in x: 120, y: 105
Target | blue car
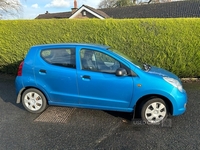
x: 97, y: 77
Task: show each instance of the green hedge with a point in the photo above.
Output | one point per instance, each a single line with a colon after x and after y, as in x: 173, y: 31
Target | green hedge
x: 172, y: 44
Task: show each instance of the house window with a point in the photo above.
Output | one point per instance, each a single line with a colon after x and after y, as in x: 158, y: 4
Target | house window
x: 84, y: 13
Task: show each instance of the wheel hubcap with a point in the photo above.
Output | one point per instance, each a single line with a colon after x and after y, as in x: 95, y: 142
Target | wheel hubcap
x: 33, y: 101
x: 155, y: 112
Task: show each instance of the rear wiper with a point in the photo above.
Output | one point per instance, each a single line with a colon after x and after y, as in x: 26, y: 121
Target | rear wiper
x: 147, y: 67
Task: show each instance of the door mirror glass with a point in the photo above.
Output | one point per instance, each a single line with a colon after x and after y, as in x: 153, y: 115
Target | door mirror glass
x: 121, y: 72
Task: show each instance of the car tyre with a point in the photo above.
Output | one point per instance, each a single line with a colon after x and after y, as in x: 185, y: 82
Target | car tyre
x: 34, y: 100
x: 154, y: 111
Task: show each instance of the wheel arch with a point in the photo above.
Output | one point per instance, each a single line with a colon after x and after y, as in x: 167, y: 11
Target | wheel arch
x: 145, y: 98
x: 19, y: 97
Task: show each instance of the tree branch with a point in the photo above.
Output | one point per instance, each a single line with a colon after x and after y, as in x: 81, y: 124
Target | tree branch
x: 10, y: 7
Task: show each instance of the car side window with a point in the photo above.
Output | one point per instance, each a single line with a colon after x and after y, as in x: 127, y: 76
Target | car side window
x: 98, y: 61
x: 60, y: 57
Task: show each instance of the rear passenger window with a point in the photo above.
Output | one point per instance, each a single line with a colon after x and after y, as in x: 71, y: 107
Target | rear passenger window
x: 60, y: 57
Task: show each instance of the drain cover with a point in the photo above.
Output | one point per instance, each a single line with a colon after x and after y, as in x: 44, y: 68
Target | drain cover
x: 55, y: 115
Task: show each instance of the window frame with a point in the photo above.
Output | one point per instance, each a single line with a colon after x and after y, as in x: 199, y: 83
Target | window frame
x: 122, y: 65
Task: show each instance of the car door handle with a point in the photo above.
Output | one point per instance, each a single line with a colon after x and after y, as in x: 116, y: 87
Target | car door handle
x: 42, y: 71
x: 86, y: 77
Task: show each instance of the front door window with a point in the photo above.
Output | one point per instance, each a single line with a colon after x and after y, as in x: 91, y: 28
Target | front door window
x: 97, y: 61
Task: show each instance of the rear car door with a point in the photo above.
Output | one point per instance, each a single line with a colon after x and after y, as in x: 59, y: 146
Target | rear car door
x: 55, y: 73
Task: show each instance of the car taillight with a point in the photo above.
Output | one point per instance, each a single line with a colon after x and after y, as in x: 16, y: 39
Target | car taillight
x: 19, y: 73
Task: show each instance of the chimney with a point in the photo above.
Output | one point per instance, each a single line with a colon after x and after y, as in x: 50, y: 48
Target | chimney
x: 75, y: 6
x: 46, y: 12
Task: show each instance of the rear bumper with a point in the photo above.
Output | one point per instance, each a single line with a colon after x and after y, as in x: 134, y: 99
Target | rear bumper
x: 19, y: 87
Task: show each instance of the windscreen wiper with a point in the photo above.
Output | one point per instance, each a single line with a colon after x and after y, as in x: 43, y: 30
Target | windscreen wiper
x: 147, y: 67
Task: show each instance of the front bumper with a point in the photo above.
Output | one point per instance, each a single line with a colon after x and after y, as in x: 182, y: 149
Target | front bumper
x: 180, y: 103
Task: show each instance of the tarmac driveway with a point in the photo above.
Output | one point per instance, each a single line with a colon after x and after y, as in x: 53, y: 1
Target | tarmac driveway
x: 73, y: 128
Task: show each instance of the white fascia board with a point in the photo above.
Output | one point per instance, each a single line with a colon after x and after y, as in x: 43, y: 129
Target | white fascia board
x: 88, y: 10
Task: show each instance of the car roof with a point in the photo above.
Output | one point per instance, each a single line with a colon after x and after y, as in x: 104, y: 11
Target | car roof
x: 72, y: 44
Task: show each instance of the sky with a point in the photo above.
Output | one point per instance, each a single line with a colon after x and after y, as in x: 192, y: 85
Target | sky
x: 32, y: 8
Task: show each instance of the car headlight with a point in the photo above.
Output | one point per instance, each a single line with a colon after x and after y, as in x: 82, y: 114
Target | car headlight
x: 174, y: 82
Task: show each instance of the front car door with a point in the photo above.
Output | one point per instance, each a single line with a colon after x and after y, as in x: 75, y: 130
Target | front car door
x: 98, y: 85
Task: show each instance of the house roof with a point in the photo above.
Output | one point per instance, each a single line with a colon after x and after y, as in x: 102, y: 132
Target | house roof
x: 48, y: 15
x: 98, y: 11
x: 95, y: 12
x: 158, y: 10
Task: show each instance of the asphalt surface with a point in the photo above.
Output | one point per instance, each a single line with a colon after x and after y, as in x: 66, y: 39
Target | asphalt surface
x: 73, y: 128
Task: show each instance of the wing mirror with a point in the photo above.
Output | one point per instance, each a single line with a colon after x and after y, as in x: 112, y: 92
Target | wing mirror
x: 121, y: 72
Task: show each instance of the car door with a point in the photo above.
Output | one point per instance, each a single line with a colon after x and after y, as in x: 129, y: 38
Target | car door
x: 98, y: 85
x: 55, y: 72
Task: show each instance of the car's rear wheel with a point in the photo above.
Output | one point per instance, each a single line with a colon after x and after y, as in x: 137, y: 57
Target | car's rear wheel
x: 34, y: 101
x: 154, y: 111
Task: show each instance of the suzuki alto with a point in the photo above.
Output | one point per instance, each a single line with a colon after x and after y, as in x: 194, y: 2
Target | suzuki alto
x: 97, y: 77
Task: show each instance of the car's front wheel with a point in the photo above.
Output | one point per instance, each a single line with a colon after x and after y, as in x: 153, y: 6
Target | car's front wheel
x: 34, y: 101
x: 154, y: 111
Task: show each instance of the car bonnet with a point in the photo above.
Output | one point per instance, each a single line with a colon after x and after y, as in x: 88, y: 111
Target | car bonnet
x: 162, y: 72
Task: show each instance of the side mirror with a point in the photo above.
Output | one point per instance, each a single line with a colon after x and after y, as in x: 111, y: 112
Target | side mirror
x: 121, y: 72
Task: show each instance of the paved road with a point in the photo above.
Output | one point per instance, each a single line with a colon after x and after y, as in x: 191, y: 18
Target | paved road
x: 70, y: 128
